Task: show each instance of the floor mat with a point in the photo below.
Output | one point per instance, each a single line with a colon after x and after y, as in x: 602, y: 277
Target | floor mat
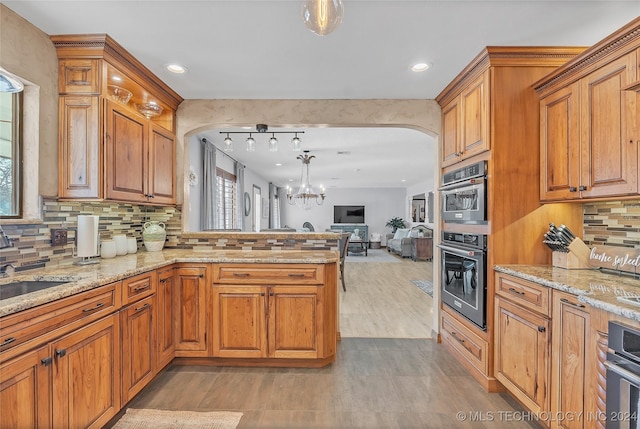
x: 425, y: 285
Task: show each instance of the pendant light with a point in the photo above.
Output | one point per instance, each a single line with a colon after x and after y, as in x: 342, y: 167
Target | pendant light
x: 322, y: 16
x: 273, y: 143
x: 228, y: 144
x: 251, y: 144
x: 295, y: 143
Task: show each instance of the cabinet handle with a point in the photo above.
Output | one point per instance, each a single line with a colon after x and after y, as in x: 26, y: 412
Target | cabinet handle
x: 516, y: 291
x: 241, y: 274
x: 541, y: 328
x: 8, y: 341
x: 142, y: 308
x: 89, y: 310
x: 573, y: 189
x: 296, y: 275
x: 454, y: 335
x: 582, y: 188
x: 566, y: 301
x: 46, y: 361
x: 61, y: 353
x: 139, y: 288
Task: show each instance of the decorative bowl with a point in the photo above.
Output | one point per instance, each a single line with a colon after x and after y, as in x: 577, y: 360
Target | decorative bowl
x: 149, y: 110
x: 118, y: 94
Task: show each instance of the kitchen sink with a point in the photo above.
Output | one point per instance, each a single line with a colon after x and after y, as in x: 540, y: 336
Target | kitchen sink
x: 22, y: 287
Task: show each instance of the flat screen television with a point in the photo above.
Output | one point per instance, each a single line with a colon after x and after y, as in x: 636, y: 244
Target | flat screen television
x: 348, y: 214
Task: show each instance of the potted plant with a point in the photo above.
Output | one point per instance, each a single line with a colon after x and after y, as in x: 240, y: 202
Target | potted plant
x: 395, y: 223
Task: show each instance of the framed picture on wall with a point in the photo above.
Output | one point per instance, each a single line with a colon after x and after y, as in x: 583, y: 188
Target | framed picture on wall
x: 418, y: 210
x: 265, y: 208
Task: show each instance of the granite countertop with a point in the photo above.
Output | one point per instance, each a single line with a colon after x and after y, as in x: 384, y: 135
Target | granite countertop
x: 83, y: 278
x: 609, y: 292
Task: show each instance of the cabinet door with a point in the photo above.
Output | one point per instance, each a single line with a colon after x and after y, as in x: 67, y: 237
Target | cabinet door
x: 190, y: 310
x: 165, y: 333
x: 560, y: 144
x: 86, y: 375
x: 451, y: 133
x: 522, y: 354
x: 608, y: 124
x: 239, y: 321
x: 25, y: 391
x: 162, y: 166
x: 295, y: 321
x: 138, y: 353
x: 126, y: 137
x: 79, y: 155
x: 568, y: 377
x: 474, y: 107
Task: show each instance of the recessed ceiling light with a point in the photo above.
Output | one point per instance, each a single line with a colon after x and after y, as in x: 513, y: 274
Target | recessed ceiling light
x: 419, y: 67
x: 278, y: 165
x: 176, y: 68
x: 403, y: 180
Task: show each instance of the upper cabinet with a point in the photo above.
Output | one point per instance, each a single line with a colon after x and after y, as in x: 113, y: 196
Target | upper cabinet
x: 116, y: 125
x: 589, y: 130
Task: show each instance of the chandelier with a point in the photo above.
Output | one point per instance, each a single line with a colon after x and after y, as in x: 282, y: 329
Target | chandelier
x: 250, y: 143
x: 306, y: 195
x: 322, y: 16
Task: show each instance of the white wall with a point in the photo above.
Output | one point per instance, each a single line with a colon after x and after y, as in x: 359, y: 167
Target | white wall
x: 381, y: 204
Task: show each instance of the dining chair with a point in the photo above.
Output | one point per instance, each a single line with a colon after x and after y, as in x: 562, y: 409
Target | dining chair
x: 344, y: 244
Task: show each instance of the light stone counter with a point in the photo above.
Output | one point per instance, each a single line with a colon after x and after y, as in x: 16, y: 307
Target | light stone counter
x: 598, y: 289
x: 83, y: 278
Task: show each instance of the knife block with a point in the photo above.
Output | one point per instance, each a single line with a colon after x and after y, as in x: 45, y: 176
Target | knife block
x: 577, y: 257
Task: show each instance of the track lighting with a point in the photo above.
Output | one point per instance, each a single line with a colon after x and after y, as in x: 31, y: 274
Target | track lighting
x: 273, y: 143
x: 295, y: 143
x: 251, y: 144
x: 228, y: 144
x: 261, y: 129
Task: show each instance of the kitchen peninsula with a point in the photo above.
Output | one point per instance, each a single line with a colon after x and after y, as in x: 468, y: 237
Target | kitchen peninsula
x: 117, y: 324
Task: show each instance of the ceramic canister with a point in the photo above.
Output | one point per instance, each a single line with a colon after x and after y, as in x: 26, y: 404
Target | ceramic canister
x: 121, y: 244
x: 108, y: 249
x: 132, y: 245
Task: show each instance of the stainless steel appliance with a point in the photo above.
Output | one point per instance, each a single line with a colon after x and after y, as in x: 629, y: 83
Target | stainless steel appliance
x: 623, y: 377
x: 464, y: 270
x: 464, y: 194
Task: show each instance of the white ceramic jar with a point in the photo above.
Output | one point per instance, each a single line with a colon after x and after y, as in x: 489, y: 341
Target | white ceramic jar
x: 108, y: 249
x: 132, y: 245
x: 121, y: 244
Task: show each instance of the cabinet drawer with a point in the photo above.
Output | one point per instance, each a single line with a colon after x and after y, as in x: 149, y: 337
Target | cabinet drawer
x: 470, y: 346
x: 527, y: 294
x: 140, y: 286
x: 39, y: 324
x: 268, y: 274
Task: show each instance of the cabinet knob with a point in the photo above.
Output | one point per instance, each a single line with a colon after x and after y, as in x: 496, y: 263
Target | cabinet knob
x: 582, y: 188
x: 46, y: 361
x: 573, y: 189
x: 61, y: 353
x: 201, y: 275
x: 541, y: 328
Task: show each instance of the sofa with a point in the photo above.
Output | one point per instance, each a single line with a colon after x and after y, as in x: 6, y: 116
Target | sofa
x: 400, y: 242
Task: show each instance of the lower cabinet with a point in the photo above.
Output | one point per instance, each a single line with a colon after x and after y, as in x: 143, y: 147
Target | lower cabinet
x: 568, y: 369
x: 522, y: 344
x: 85, y: 372
x: 190, y: 311
x: 138, y: 352
x: 165, y: 318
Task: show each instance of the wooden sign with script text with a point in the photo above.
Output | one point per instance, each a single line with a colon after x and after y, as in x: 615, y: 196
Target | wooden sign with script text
x: 617, y: 258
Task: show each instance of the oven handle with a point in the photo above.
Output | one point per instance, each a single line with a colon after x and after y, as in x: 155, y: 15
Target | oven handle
x: 460, y: 252
x: 628, y: 375
x: 464, y: 183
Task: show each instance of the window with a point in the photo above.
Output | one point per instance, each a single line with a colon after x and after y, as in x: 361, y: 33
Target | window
x: 10, y: 155
x: 226, y: 203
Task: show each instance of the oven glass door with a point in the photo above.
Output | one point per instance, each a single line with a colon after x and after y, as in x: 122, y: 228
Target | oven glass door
x: 464, y: 203
x: 463, y: 282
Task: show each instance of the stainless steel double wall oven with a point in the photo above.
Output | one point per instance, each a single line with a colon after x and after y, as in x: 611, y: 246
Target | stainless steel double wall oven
x: 464, y: 254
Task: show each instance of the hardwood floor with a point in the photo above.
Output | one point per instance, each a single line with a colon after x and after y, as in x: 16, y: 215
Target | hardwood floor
x: 387, y: 373
x: 381, y: 301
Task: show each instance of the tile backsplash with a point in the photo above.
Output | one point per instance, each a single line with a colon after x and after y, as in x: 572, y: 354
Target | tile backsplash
x: 32, y: 242
x: 615, y: 223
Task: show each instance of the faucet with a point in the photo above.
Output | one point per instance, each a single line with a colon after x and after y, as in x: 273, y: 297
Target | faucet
x: 3, y: 270
x: 5, y: 241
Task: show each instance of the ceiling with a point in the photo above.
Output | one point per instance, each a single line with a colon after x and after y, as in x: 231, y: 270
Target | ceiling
x: 260, y: 49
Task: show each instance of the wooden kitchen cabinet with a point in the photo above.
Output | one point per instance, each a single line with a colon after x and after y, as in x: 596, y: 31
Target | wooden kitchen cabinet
x: 138, y: 346
x: 25, y: 391
x: 570, y: 321
x: 273, y: 311
x: 589, y: 123
x: 86, y: 375
x: 107, y: 149
x: 190, y: 309
x: 165, y: 318
x: 465, y: 122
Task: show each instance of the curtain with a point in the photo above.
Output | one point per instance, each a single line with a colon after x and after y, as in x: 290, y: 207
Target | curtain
x: 274, y: 213
x: 239, y: 172
x: 208, y: 205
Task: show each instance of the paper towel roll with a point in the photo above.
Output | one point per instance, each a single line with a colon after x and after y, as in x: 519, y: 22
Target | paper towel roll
x: 87, y: 236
